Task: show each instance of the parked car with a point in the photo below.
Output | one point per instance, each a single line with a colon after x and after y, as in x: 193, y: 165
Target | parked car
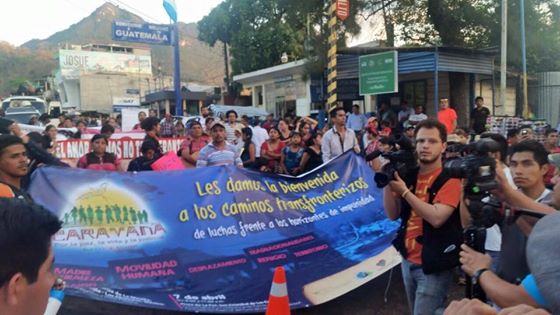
x: 21, y: 115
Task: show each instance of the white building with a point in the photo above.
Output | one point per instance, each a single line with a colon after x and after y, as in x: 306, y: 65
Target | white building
x: 103, y: 78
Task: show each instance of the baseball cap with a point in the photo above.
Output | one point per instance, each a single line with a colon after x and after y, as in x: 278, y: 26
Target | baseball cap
x: 543, y: 257
x: 217, y: 123
x: 453, y: 138
x: 554, y: 159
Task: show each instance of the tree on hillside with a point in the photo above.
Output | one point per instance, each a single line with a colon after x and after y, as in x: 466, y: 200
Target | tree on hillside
x: 20, y: 64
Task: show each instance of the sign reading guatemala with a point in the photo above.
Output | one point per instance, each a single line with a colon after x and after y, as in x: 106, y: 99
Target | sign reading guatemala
x: 208, y: 240
x: 153, y: 34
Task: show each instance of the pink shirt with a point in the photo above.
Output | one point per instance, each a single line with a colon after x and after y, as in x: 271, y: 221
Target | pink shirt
x: 109, y: 162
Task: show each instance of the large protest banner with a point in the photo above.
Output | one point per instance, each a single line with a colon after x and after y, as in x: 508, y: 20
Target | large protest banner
x: 208, y: 240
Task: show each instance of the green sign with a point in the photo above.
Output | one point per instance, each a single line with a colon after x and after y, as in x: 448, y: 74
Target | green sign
x: 379, y: 73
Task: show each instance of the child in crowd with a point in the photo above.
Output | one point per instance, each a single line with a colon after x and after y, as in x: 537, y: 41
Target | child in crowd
x: 291, y: 156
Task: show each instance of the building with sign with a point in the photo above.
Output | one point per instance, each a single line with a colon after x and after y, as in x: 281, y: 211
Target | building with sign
x: 426, y: 74
x: 103, y: 78
x: 282, y: 89
x: 417, y: 76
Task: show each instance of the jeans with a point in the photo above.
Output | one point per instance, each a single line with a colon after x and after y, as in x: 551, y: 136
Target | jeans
x: 426, y: 293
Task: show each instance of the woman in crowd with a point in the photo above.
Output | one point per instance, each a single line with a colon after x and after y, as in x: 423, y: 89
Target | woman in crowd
x: 291, y: 156
x: 99, y: 158
x: 190, y: 148
x: 81, y: 126
x: 248, y: 153
x: 312, y: 156
x: 271, y: 151
x: 208, y: 126
x: 284, y: 130
x: 143, y: 162
x: 180, y: 129
x: 141, y: 117
x: 306, y: 131
x: 371, y: 134
x: 49, y: 138
x: 386, y: 145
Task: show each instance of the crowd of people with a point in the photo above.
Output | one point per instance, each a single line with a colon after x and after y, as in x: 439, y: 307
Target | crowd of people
x: 518, y: 273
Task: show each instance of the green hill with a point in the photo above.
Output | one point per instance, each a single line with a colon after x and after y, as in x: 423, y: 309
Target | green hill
x: 37, y: 58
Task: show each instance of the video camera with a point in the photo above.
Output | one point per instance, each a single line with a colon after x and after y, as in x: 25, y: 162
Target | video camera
x: 478, y: 169
x: 402, y: 159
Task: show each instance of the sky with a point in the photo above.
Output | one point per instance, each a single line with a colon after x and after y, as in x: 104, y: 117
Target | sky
x: 24, y: 20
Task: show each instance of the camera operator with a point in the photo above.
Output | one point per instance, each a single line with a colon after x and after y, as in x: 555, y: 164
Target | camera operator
x: 541, y: 288
x: 430, y: 233
x: 528, y: 162
x: 493, y: 241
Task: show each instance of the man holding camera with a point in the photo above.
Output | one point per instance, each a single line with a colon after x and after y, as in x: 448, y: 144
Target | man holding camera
x: 430, y: 234
x: 528, y: 165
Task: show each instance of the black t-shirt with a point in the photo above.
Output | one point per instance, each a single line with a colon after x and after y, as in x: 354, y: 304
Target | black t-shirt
x: 512, y: 266
x: 479, y: 117
x: 315, y: 159
x: 140, y: 164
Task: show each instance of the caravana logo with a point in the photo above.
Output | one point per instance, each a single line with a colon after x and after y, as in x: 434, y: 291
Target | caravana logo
x: 103, y: 215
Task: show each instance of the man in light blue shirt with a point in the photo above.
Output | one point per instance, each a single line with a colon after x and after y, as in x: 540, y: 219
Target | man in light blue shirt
x: 356, y: 121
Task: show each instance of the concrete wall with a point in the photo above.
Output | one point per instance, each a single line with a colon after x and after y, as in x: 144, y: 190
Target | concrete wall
x: 98, y: 90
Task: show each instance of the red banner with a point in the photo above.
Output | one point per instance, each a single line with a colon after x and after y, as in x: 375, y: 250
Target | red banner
x: 124, y: 148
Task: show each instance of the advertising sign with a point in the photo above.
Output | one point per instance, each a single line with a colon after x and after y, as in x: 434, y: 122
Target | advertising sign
x: 76, y: 62
x: 146, y: 33
x: 379, y: 73
x: 208, y: 239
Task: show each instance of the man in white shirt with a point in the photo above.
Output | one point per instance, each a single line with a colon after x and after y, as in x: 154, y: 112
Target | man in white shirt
x: 231, y: 125
x: 260, y: 135
x: 338, y: 139
x: 418, y: 116
x: 404, y: 114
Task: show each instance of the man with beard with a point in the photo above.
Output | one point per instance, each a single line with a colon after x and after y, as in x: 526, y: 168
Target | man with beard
x: 430, y: 232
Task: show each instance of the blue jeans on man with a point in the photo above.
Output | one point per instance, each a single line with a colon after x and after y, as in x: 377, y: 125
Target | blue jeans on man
x: 426, y: 293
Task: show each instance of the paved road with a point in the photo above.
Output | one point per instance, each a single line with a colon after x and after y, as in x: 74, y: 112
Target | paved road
x: 367, y: 299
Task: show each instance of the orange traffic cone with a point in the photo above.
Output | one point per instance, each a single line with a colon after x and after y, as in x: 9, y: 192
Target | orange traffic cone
x: 278, y: 302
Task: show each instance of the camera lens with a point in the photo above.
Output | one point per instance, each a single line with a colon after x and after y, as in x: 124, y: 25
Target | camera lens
x: 381, y: 179
x: 455, y: 168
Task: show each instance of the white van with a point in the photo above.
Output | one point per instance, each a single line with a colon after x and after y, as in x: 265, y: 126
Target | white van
x: 25, y: 103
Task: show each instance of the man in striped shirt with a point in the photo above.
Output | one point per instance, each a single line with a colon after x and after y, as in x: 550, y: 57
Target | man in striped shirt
x: 219, y: 152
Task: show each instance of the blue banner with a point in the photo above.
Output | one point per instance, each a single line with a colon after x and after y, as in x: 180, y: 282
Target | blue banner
x: 208, y: 240
x: 153, y: 34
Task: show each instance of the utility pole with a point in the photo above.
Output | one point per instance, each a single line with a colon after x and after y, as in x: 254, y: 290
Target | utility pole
x: 524, y: 61
x: 331, y: 57
x: 503, y: 67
